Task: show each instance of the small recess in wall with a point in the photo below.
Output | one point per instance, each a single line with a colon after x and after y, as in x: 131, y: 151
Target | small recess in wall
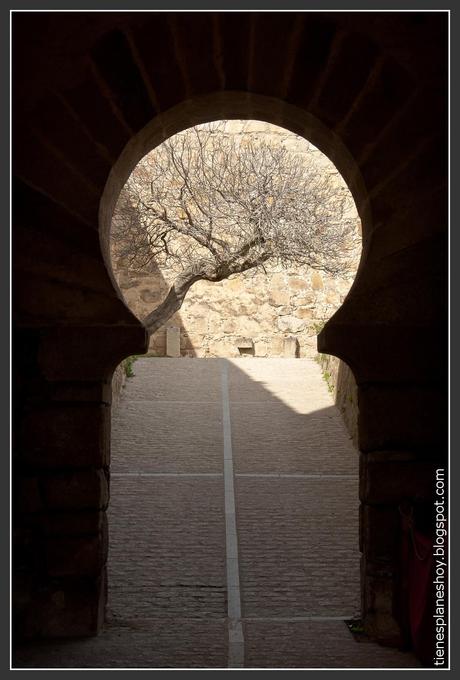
x: 245, y: 347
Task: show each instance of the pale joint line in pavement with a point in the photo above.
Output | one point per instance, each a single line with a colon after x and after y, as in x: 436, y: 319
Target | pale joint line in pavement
x: 261, y: 475
x: 295, y: 476
x: 166, y: 474
x: 298, y: 619
x: 160, y: 401
x: 235, y: 626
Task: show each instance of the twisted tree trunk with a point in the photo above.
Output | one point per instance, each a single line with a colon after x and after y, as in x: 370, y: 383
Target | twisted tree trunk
x: 202, y: 270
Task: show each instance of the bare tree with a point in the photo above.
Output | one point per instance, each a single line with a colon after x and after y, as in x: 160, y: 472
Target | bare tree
x: 209, y: 204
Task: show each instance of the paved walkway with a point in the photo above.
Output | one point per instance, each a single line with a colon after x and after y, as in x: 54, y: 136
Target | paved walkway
x: 233, y: 524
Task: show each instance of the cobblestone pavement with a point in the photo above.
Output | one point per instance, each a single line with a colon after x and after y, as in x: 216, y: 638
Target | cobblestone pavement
x: 233, y: 525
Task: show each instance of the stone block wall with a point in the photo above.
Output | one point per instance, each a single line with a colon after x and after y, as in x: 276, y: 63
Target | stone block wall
x: 263, y: 307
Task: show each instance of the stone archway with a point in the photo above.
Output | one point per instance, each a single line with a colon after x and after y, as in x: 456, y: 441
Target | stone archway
x: 372, y: 85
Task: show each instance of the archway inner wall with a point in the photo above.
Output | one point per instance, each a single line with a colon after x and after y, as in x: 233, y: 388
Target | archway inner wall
x: 373, y: 91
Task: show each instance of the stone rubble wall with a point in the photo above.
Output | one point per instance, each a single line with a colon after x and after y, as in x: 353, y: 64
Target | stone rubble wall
x: 265, y: 308
x: 342, y: 384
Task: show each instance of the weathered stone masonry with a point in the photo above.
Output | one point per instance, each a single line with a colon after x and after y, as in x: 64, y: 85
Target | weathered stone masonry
x: 261, y: 308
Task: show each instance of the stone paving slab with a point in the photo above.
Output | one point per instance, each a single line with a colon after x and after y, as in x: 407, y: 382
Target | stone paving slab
x: 296, y: 383
x: 144, y: 643
x: 314, y: 443
x: 315, y: 644
x: 284, y: 420
x: 174, y: 380
x: 298, y: 547
x: 167, y: 437
x: 167, y: 548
